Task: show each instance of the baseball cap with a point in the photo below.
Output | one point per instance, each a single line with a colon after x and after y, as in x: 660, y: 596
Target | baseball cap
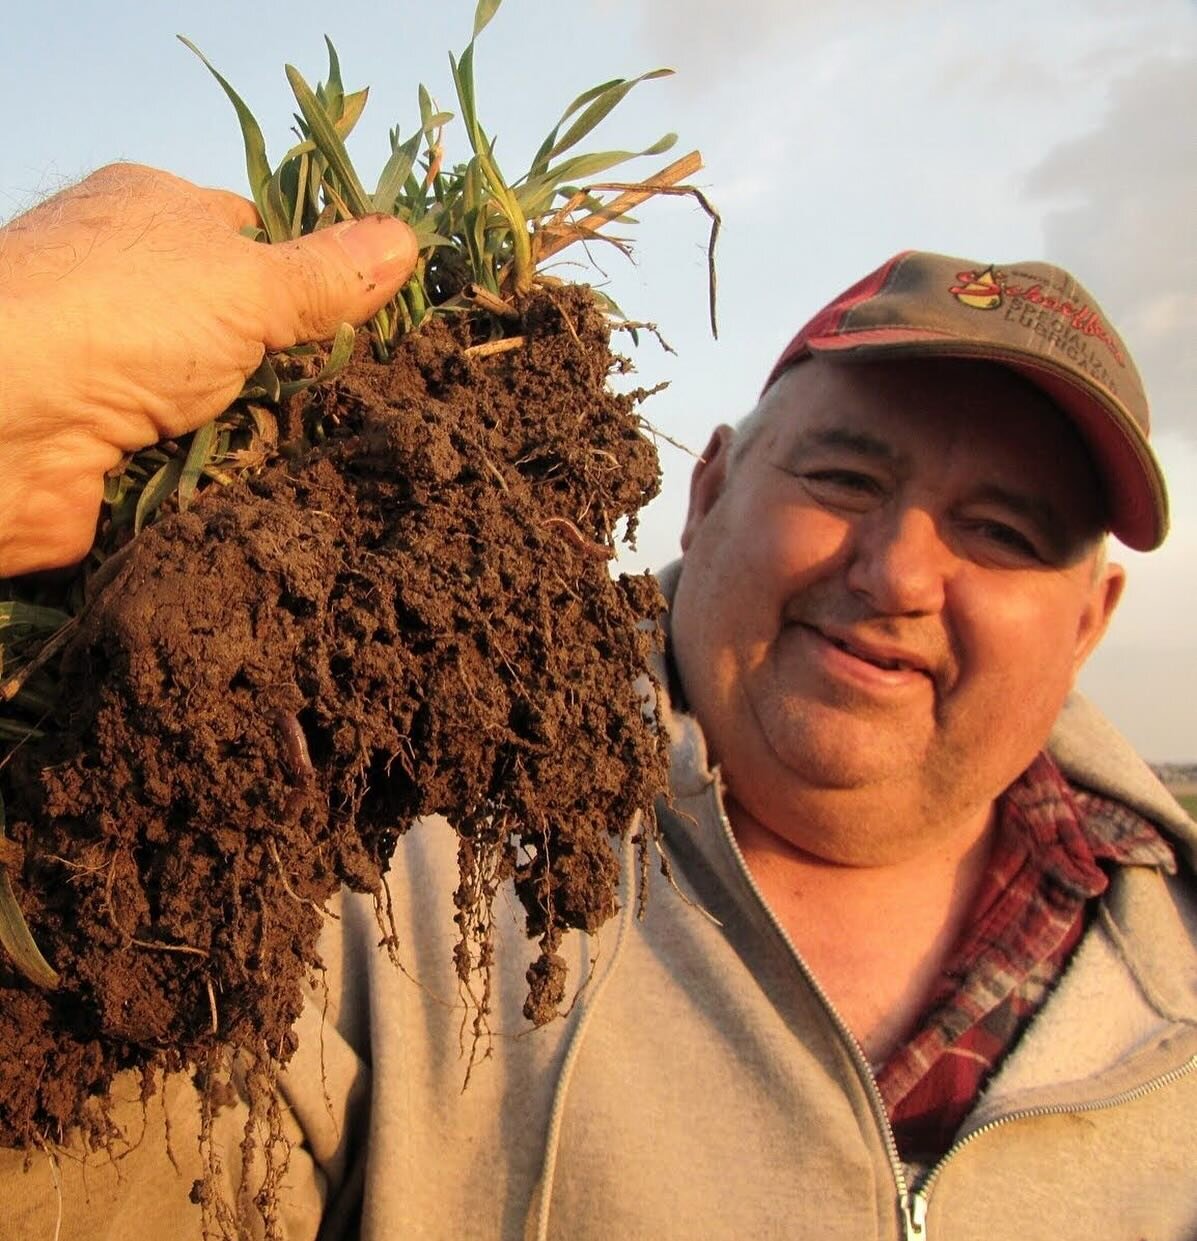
x: 1034, y: 318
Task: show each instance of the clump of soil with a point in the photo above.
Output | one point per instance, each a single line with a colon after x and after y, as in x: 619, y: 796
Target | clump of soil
x: 413, y: 618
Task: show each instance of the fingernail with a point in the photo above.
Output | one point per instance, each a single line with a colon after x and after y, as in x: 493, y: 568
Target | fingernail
x: 382, y: 247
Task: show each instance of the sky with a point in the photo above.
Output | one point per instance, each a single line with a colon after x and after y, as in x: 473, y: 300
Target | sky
x: 833, y: 137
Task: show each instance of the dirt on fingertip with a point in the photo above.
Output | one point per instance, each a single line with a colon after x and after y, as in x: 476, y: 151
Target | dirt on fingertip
x: 411, y: 616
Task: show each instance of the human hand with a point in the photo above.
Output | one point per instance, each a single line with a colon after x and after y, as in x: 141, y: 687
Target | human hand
x: 132, y: 310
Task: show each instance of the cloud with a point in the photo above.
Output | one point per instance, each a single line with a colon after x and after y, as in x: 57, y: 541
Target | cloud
x: 710, y: 39
x: 1128, y: 198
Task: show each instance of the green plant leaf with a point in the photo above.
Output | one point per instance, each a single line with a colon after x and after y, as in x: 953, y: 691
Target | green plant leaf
x: 339, y: 354
x: 328, y: 143
x: 198, y: 455
x: 159, y: 489
x: 17, y: 941
x: 257, y: 166
x: 14, y: 613
x: 541, y: 160
x: 115, y: 486
x: 536, y: 195
x: 508, y: 205
x: 431, y: 119
x: 279, y: 206
x: 394, y: 173
x: 263, y: 382
x: 355, y: 105
x: 334, y: 90
x: 463, y: 81
x: 299, y: 212
x: 582, y: 167
x: 14, y: 931
x: 426, y: 234
x: 600, y: 107
x: 483, y: 13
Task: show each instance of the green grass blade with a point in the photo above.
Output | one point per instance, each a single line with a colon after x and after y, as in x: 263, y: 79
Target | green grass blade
x: 612, y: 307
x: 334, y: 89
x: 483, y: 13
x: 600, y: 107
x: 159, y: 489
x: 581, y: 167
x: 14, y: 613
x: 257, y: 165
x: 263, y: 382
x: 473, y: 225
x: 115, y: 486
x: 316, y: 169
x: 426, y: 106
x: 18, y: 943
x: 430, y: 116
x: 463, y: 81
x: 536, y: 195
x: 395, y: 173
x: 328, y: 143
x: 299, y: 210
x: 14, y: 932
x: 426, y: 234
x: 279, y: 206
x: 198, y: 456
x: 338, y: 356
x: 354, y: 106
x: 541, y: 160
x: 508, y: 204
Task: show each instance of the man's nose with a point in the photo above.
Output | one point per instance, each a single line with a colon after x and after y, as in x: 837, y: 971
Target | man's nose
x: 900, y: 563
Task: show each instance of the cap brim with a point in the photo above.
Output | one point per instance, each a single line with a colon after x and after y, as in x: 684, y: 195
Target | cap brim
x: 1137, y: 498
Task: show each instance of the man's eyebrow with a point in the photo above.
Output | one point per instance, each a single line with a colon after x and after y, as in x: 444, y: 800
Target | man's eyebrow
x: 1037, y: 508
x: 1047, y: 518
x: 859, y: 442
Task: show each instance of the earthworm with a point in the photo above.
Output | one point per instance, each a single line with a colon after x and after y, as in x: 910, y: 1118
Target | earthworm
x: 295, y: 744
x: 577, y: 539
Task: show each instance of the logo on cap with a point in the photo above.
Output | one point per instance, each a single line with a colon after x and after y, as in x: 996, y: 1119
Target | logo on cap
x: 981, y: 291
x: 988, y: 289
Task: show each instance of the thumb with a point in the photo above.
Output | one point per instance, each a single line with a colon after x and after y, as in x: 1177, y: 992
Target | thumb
x: 341, y: 274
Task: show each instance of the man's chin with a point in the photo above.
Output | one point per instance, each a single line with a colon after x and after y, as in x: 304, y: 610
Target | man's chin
x: 852, y: 755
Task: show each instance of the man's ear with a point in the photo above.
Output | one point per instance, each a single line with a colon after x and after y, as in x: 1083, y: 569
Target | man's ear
x: 1095, y: 620
x: 707, y: 480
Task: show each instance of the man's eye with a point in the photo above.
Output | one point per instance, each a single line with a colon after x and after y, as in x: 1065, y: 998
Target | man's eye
x: 1007, y: 537
x: 848, y: 480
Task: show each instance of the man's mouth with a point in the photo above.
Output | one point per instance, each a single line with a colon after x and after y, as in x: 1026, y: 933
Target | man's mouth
x: 878, y: 656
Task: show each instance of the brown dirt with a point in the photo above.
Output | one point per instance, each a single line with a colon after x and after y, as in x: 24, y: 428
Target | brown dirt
x: 276, y: 683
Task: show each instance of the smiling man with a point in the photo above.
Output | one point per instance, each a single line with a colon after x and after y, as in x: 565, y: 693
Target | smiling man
x: 892, y: 573
x: 885, y: 598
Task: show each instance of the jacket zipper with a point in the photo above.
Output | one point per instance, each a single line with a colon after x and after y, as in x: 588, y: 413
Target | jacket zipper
x: 912, y: 1203
x: 919, y: 1199
x: 913, y: 1208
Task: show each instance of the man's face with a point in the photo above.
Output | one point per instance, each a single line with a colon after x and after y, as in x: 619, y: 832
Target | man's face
x: 885, y: 598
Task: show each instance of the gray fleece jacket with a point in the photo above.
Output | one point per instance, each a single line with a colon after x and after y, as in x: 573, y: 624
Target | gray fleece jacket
x: 701, y: 1086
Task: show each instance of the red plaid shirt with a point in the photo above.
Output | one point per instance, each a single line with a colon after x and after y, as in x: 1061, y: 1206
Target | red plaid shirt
x: 1050, y: 859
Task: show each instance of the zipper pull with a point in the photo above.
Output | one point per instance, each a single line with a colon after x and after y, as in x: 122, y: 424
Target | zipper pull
x: 914, y: 1216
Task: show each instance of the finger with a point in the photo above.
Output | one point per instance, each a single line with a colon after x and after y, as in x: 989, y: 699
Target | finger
x: 231, y: 209
x: 338, y: 275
